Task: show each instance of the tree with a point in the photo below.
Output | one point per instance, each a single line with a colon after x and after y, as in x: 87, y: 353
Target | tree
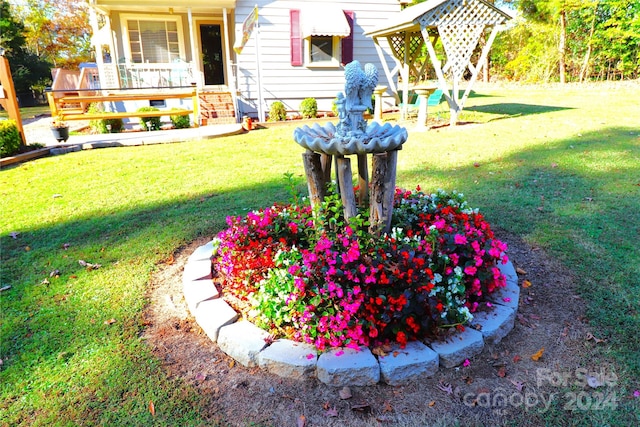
x: 57, y: 30
x: 28, y: 70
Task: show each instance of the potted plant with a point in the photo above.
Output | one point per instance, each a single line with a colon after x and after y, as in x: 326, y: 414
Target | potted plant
x: 60, y: 128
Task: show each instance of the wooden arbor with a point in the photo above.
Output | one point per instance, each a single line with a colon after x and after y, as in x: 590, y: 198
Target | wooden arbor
x: 459, y: 24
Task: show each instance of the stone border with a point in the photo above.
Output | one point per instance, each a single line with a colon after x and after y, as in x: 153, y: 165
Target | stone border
x: 247, y: 344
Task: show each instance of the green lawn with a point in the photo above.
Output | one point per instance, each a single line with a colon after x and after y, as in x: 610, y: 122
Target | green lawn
x: 572, y: 152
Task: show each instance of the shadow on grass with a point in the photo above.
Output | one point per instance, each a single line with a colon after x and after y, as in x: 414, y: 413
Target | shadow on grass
x: 579, y: 198
x: 511, y: 109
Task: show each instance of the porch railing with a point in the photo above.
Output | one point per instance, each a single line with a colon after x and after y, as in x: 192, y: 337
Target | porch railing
x: 149, y: 75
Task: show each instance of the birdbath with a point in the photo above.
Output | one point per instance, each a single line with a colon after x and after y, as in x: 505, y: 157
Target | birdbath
x: 353, y: 136
x: 423, y: 92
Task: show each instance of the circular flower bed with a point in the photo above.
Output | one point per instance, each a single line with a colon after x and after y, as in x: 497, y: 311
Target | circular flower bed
x: 311, y: 277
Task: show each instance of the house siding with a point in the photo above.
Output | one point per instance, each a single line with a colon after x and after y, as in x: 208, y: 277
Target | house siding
x: 291, y: 84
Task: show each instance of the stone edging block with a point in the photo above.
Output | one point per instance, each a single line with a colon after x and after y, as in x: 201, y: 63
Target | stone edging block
x: 414, y: 362
x: 340, y: 367
x: 347, y: 366
x: 495, y: 323
x: 243, y: 341
x: 289, y: 359
x: 463, y: 345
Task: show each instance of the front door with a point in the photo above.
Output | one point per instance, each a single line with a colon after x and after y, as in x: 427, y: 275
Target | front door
x: 212, y: 63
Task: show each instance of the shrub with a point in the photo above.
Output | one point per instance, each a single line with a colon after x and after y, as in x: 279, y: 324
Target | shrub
x: 317, y: 278
x: 180, y: 121
x: 309, y: 108
x: 10, y: 141
x: 153, y: 122
x: 277, y: 112
x: 100, y: 125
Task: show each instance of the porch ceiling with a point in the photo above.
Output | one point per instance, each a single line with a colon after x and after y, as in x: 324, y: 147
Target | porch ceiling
x: 163, y: 5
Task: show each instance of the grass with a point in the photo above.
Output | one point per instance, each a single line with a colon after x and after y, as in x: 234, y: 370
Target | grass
x: 559, y: 167
x: 28, y: 112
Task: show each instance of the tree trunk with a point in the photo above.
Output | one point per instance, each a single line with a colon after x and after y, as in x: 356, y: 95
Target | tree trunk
x: 587, y: 56
x: 562, y: 45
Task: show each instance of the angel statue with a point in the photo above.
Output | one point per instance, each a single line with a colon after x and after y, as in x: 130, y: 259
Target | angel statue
x: 358, y: 88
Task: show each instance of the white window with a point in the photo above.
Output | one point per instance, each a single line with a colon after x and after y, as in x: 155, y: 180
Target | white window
x: 323, y: 51
x: 155, y: 40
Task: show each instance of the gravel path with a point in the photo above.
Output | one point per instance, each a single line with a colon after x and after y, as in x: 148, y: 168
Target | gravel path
x: 37, y: 129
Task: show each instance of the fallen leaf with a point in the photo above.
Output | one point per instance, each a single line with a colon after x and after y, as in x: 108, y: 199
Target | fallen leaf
x: 65, y: 246
x: 526, y: 284
x: 379, y: 351
x: 468, y: 379
x: 232, y: 363
x: 387, y: 407
x: 345, y: 393
x: 331, y: 412
x: 554, y: 165
x: 45, y: 282
x: 152, y: 408
x: 5, y: 288
x: 200, y: 377
x: 432, y: 403
x: 517, y: 358
x: 590, y: 336
x: 55, y: 273
x: 170, y: 260
x: 476, y: 165
x: 14, y: 235
x: 518, y: 384
x: 88, y: 265
x: 535, y: 357
x: 55, y: 196
x: 110, y: 321
x: 502, y: 372
x: 520, y: 271
x: 363, y: 407
x: 302, y: 421
x: 446, y: 387
x: 28, y: 248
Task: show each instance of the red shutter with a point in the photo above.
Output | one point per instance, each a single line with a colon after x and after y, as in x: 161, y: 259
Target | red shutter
x: 296, y: 39
x: 347, y: 42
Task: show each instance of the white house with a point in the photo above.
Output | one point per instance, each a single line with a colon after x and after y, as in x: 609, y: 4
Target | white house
x: 298, y: 49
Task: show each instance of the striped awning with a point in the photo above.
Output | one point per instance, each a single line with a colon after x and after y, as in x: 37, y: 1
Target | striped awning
x: 328, y: 20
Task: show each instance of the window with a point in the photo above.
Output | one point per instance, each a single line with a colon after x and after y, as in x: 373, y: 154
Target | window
x: 154, y: 41
x: 323, y: 50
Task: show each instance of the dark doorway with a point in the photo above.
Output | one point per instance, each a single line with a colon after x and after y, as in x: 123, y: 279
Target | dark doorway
x: 213, y: 66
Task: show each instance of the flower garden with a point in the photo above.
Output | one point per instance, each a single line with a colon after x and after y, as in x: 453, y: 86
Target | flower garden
x: 313, y: 277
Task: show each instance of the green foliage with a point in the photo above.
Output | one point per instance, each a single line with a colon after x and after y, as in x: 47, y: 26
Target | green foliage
x: 180, y: 121
x: 28, y: 70
x: 101, y: 125
x: 149, y: 123
x: 309, y: 108
x: 277, y: 112
x: 10, y: 141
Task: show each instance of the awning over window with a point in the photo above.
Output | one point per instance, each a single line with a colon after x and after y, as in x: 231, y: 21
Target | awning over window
x: 328, y: 20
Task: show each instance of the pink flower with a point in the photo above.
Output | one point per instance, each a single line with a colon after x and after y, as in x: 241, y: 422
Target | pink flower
x: 489, y: 304
x: 506, y: 299
x: 459, y: 239
x: 470, y: 271
x: 636, y: 393
x: 466, y: 363
x: 311, y: 356
x: 339, y: 353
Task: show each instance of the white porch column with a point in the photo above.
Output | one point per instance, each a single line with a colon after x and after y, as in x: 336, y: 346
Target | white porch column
x: 231, y: 78
x: 195, y: 64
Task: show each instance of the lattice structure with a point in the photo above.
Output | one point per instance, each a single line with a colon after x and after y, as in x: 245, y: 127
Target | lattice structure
x: 460, y: 24
x: 398, y: 45
x: 459, y: 42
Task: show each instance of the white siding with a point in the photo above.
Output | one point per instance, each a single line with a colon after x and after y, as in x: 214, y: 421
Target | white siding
x: 289, y: 84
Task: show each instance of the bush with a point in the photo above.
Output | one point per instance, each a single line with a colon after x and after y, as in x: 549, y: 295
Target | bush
x: 10, y: 141
x: 180, y: 121
x: 100, y: 125
x: 154, y: 122
x: 277, y: 112
x: 309, y: 108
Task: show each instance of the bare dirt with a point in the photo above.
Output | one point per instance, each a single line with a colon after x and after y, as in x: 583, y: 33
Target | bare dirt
x: 502, y: 385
